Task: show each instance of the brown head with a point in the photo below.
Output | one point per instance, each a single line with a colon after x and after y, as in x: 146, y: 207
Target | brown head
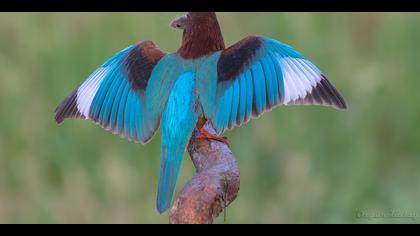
x: 201, y: 34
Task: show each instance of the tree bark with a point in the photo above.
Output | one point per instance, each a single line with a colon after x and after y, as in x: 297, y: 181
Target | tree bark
x: 213, y: 188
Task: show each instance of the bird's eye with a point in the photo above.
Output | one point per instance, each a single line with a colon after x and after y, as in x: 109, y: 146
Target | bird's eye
x: 178, y: 25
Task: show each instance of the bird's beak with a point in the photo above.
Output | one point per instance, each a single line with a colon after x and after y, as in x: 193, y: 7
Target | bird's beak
x: 179, y: 22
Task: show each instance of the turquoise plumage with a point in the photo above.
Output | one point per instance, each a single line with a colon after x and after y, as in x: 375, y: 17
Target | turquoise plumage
x: 178, y: 121
x: 276, y: 75
x: 141, y: 87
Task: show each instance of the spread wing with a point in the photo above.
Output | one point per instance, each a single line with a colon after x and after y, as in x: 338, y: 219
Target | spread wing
x: 114, y: 96
x: 257, y: 74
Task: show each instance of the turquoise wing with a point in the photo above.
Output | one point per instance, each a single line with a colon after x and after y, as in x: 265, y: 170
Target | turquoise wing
x: 257, y: 74
x: 114, y: 96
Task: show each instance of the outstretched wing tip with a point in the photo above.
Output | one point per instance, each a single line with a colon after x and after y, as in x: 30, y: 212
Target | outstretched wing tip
x: 68, y: 109
x: 337, y: 99
x: 322, y: 94
x: 57, y: 118
x: 58, y: 121
x: 342, y: 107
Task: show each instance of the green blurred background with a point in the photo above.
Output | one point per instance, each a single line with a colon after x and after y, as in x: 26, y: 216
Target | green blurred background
x: 298, y: 164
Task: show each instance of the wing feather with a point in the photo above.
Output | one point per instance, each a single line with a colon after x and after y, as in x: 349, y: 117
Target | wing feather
x: 113, y: 96
x: 257, y: 74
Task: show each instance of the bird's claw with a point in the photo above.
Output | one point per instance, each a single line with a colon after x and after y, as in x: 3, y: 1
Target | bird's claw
x: 207, y: 135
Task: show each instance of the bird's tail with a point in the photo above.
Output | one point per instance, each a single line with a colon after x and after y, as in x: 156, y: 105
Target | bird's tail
x: 172, y: 153
x: 171, y: 160
x: 178, y: 122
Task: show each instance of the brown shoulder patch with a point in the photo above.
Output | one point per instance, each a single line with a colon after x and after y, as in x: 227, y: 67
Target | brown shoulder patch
x: 235, y: 58
x: 140, y: 62
x: 150, y: 50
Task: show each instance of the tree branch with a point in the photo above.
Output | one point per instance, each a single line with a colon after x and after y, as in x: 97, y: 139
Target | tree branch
x: 213, y: 188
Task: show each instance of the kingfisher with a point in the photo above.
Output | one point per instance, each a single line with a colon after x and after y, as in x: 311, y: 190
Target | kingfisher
x: 143, y: 87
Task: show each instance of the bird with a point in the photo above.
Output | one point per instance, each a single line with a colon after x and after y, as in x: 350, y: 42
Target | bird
x: 142, y: 88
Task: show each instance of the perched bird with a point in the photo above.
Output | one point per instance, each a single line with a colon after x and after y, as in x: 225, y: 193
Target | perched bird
x: 142, y: 86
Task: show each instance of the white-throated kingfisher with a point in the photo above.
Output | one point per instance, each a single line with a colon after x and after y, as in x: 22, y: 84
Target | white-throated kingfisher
x: 143, y: 87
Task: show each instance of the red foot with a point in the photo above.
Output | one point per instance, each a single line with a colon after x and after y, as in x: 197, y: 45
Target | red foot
x: 206, y: 134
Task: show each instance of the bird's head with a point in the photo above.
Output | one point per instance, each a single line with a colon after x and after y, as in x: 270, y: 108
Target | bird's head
x: 180, y: 22
x: 193, y: 19
x: 201, y: 34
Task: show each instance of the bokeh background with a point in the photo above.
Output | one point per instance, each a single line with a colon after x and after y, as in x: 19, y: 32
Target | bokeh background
x: 298, y: 164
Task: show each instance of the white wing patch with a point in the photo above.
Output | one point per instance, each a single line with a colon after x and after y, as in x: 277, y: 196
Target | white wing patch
x: 88, y: 89
x: 299, y: 78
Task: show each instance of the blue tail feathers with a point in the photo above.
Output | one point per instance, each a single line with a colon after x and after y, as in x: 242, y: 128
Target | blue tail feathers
x: 170, y: 165
x: 178, y: 122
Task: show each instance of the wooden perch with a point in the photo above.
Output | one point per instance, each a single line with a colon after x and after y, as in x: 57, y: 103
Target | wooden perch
x: 213, y: 188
